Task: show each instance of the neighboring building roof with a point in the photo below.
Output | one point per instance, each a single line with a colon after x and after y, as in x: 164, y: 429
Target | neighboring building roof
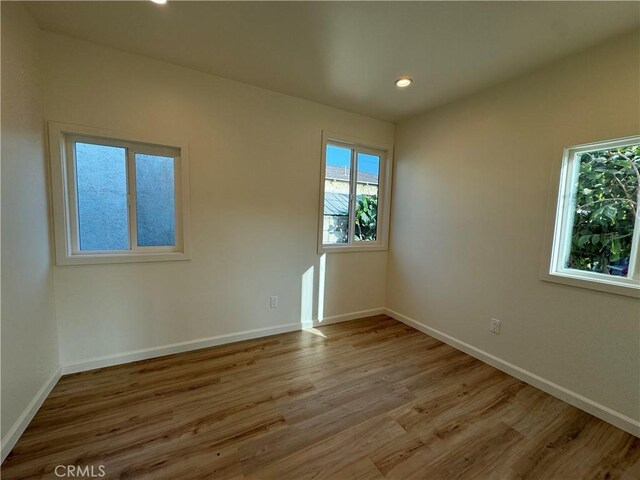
x: 342, y: 174
x: 336, y: 203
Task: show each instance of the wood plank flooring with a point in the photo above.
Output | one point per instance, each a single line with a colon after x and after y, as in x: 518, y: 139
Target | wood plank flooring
x: 367, y: 399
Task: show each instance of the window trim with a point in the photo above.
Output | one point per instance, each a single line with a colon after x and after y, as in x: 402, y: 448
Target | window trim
x: 561, y: 212
x: 61, y: 153
x: 385, y: 152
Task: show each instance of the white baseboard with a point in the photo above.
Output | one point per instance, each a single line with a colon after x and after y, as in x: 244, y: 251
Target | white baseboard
x: 21, y: 424
x: 345, y: 317
x: 605, y: 413
x: 596, y: 409
x: 18, y: 428
x: 162, y: 350
x: 170, y: 349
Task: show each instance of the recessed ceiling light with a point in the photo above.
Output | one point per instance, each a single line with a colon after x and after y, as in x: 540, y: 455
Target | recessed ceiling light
x: 159, y: 2
x: 403, y: 82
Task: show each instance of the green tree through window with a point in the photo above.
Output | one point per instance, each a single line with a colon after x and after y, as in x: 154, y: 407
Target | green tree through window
x: 607, y: 198
x: 366, y: 224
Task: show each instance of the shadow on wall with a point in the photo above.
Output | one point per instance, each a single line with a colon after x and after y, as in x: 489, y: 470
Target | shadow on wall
x: 307, y: 294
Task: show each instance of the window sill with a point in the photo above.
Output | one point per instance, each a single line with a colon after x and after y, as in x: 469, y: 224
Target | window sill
x: 351, y: 248
x: 122, y: 258
x: 603, y: 285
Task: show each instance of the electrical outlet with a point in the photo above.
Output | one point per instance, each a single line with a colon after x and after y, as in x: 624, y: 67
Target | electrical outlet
x: 494, y: 326
x: 273, y: 302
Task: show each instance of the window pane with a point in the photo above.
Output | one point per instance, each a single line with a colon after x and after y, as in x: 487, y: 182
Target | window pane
x: 155, y: 200
x: 101, y: 178
x: 606, y: 194
x: 336, y: 195
x: 366, y: 222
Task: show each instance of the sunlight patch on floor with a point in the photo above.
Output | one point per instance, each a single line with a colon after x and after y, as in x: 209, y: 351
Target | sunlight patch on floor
x: 315, y: 331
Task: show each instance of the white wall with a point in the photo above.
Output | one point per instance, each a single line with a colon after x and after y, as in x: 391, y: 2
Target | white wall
x: 472, y: 181
x: 29, y: 338
x: 255, y: 166
x: 460, y: 253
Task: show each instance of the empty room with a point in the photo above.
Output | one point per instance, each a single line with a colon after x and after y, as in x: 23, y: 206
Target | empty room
x: 320, y: 240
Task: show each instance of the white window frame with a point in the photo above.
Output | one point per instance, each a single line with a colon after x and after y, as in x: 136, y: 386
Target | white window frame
x: 358, y: 145
x: 62, y: 137
x: 560, y: 227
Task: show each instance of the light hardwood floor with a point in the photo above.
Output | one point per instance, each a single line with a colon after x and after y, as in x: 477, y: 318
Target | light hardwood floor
x: 366, y: 399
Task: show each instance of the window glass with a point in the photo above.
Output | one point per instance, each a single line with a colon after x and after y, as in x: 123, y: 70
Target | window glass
x: 155, y: 200
x: 606, y: 196
x: 336, y: 195
x: 366, y: 219
x: 101, y: 178
x: 353, y: 190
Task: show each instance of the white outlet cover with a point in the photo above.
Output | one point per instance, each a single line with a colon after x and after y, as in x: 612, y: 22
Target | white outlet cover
x: 273, y: 302
x: 494, y: 326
